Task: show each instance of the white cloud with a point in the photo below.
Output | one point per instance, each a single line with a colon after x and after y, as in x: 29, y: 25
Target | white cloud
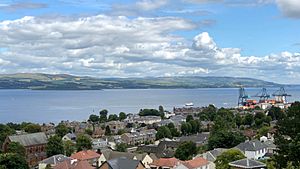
x: 151, y: 4
x: 105, y: 46
x: 290, y: 8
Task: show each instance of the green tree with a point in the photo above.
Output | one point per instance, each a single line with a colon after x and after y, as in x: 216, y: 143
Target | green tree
x: 32, y: 128
x: 249, y: 119
x: 88, y: 131
x: 184, y: 128
x: 94, y: 118
x: 227, y: 157
x: 189, y: 118
x: 103, y: 116
x: 107, y: 131
x: 174, y: 131
x: 238, y: 120
x: 122, y: 147
x: 287, y: 138
x: 225, y: 139
x: 4, y: 132
x: 163, y: 132
x: 186, y: 150
x: 61, y: 130
x: 17, y: 148
x: 210, y: 112
x: 69, y: 147
x: 83, y: 142
x: 122, y: 116
x: 195, y: 126
x: 54, y: 146
x: 13, y: 161
x: 263, y: 131
x: 113, y: 117
x: 275, y: 113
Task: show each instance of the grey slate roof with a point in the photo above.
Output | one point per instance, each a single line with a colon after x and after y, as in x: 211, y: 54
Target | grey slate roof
x: 108, y: 154
x: 200, y: 138
x: 247, y: 164
x: 29, y: 139
x: 213, y: 154
x: 253, y: 145
x: 123, y: 163
x: 55, y: 159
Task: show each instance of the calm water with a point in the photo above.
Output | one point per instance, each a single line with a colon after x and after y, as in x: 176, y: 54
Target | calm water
x: 54, y: 106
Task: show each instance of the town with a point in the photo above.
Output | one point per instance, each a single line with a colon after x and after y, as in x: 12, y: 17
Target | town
x: 185, y: 138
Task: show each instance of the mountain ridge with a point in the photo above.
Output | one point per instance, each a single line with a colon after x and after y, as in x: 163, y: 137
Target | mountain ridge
x: 43, y: 81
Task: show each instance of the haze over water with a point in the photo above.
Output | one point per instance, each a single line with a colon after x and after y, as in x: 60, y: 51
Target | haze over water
x: 54, y: 106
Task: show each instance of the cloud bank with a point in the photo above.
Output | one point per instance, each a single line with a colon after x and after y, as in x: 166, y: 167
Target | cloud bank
x: 106, y: 46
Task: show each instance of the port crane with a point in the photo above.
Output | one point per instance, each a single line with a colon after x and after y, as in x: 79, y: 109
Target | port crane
x: 242, y: 97
x: 280, y: 95
x: 263, y: 95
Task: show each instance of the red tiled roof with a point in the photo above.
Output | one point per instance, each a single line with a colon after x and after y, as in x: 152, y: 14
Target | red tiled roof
x: 195, y: 163
x: 83, y: 165
x: 85, y: 155
x: 165, y: 162
x: 73, y: 165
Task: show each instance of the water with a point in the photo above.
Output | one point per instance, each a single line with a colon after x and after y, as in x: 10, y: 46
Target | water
x: 54, y: 106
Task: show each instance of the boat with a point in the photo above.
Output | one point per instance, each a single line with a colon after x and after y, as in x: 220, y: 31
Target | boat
x: 189, y: 104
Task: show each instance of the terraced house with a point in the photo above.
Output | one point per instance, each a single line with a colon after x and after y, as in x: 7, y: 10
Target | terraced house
x: 139, y: 137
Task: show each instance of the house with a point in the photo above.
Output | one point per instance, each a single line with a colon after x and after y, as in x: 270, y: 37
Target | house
x: 247, y: 164
x: 69, y: 137
x: 165, y: 148
x: 74, y: 164
x: 122, y: 163
x: 109, y: 155
x: 87, y: 155
x: 165, y: 163
x: 142, y: 119
x: 115, y: 126
x: 253, y: 149
x: 196, y: 163
x: 53, y: 161
x: 200, y: 138
x: 139, y: 137
x: 99, y: 144
x: 34, y: 143
x: 271, y: 148
x: 212, y: 155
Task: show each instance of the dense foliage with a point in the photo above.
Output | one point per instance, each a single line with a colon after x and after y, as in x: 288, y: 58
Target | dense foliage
x: 13, y: 161
x: 186, y: 150
x: 287, y: 138
x: 54, y: 146
x: 227, y: 157
x: 83, y: 142
x: 17, y: 148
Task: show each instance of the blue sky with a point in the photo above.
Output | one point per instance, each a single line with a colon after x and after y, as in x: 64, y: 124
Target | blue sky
x: 206, y: 40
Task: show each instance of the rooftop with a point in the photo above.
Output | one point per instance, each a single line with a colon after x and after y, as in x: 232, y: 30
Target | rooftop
x: 165, y: 162
x: 85, y: 155
x: 247, y: 164
x: 253, y: 145
x: 29, y: 139
x: 123, y: 163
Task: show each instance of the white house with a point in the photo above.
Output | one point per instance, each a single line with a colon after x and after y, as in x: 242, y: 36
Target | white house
x: 253, y: 149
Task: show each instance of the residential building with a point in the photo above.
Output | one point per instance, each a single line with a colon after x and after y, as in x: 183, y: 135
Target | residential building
x: 74, y: 164
x: 139, y: 137
x: 200, y: 138
x: 69, y: 137
x: 165, y: 163
x: 196, y: 163
x: 165, y: 148
x: 142, y: 119
x: 34, y: 143
x: 115, y: 126
x: 122, y: 163
x: 53, y: 161
x: 109, y: 155
x: 87, y: 155
x: 212, y: 155
x: 100, y: 144
x: 253, y: 149
x: 247, y: 164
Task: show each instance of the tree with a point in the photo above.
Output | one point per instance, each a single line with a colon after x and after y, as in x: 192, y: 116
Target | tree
x: 122, y: 147
x: 263, y: 131
x: 112, y: 117
x: 61, y: 130
x: 54, y: 146
x: 227, y: 157
x: 32, y: 128
x: 103, y: 116
x: 275, y: 113
x: 174, y: 131
x: 249, y: 119
x: 163, y: 132
x: 225, y: 139
x: 195, y: 126
x: 4, y: 132
x: 287, y: 138
x: 89, y: 132
x: 69, y: 147
x: 161, y: 109
x: 122, y: 116
x: 189, y: 118
x: 83, y: 142
x: 17, y: 148
x: 184, y: 128
x: 94, y: 118
x: 13, y: 161
x: 186, y: 150
x: 210, y: 112
x: 107, y: 131
x: 238, y: 120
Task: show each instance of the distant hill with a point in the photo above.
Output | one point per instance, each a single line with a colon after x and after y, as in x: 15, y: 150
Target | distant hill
x: 38, y: 81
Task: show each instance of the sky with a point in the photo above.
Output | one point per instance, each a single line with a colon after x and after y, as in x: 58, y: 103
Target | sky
x: 140, y: 38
